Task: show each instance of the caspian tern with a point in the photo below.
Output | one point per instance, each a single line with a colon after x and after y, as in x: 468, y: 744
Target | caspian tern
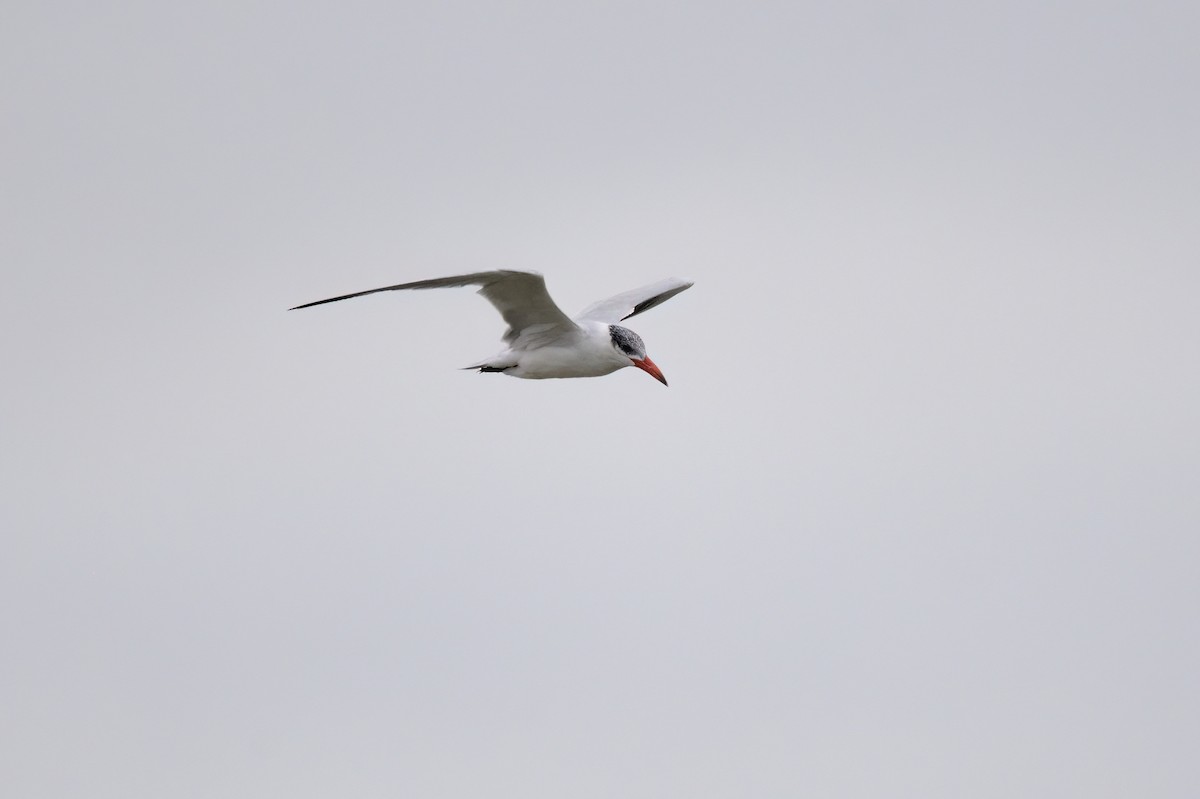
x: 542, y: 340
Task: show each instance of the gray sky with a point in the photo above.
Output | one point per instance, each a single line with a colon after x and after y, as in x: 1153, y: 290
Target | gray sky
x: 917, y: 516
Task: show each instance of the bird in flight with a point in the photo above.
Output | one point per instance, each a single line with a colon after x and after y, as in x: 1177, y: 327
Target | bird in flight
x: 545, y: 342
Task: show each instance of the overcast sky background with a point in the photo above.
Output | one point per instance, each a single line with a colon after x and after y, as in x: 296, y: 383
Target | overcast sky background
x: 917, y: 516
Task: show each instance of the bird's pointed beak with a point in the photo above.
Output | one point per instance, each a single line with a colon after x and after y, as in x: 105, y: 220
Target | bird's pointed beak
x: 647, y: 366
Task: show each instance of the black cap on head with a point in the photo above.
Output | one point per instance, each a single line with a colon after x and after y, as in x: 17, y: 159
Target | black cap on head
x: 627, y: 342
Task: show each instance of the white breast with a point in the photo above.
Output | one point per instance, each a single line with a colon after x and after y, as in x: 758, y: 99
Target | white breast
x: 589, y: 355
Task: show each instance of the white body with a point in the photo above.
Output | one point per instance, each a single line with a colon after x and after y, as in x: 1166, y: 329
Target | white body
x: 588, y: 354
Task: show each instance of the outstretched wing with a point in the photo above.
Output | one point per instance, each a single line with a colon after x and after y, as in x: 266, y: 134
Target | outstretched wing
x: 520, y: 297
x: 632, y: 303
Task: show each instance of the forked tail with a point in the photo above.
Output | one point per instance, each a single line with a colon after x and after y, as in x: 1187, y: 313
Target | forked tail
x: 497, y: 364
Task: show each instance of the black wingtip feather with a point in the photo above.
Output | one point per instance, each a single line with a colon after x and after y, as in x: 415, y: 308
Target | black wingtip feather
x: 656, y: 300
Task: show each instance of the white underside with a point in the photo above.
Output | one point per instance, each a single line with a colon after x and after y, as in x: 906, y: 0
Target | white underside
x: 588, y: 355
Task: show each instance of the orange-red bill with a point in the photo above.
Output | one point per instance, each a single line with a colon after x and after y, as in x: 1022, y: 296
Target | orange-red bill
x: 647, y: 366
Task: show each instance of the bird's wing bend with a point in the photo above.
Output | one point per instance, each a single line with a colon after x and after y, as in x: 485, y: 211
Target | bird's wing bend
x: 632, y: 303
x: 520, y: 297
